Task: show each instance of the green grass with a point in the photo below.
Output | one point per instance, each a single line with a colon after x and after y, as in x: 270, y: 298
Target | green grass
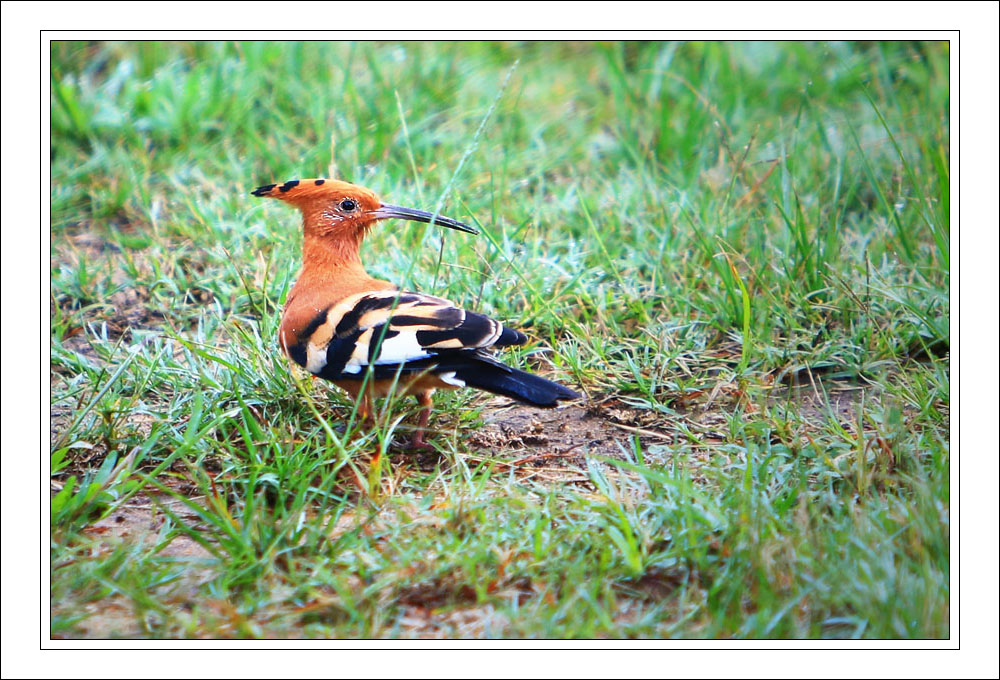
x: 686, y: 230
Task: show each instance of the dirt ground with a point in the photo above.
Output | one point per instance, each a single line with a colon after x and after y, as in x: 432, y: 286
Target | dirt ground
x: 546, y: 445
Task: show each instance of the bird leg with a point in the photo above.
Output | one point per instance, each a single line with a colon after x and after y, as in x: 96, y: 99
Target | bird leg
x: 426, y: 400
x: 366, y: 410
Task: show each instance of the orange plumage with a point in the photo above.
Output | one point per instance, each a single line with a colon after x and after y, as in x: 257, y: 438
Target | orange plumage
x: 370, y: 338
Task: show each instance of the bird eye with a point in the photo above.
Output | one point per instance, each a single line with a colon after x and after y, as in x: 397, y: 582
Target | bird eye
x: 348, y: 205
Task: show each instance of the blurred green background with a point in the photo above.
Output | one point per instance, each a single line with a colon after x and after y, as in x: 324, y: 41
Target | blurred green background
x: 682, y: 228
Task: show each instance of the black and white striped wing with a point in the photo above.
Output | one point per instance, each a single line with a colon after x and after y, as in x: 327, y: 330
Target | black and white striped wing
x: 394, y: 332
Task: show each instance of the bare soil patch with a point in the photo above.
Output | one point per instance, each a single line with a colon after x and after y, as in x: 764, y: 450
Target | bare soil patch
x: 140, y: 519
x: 570, y: 433
x: 816, y: 403
x: 123, y: 312
x: 114, y: 616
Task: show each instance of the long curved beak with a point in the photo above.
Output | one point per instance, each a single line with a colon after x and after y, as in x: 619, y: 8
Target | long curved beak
x: 390, y: 211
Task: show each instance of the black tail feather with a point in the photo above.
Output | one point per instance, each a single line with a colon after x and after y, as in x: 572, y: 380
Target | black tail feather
x: 480, y: 370
x: 510, y: 382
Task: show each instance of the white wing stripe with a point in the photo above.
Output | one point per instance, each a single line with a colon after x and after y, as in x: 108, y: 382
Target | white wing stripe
x: 395, y: 350
x: 450, y: 378
x: 447, y: 328
x: 315, y: 357
x: 401, y: 348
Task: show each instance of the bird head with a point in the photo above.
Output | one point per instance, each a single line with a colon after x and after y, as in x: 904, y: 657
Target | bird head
x: 339, y: 209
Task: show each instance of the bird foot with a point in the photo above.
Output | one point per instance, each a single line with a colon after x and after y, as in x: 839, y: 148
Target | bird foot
x: 417, y: 443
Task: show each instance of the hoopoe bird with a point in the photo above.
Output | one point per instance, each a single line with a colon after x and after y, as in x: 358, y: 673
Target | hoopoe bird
x: 369, y: 337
